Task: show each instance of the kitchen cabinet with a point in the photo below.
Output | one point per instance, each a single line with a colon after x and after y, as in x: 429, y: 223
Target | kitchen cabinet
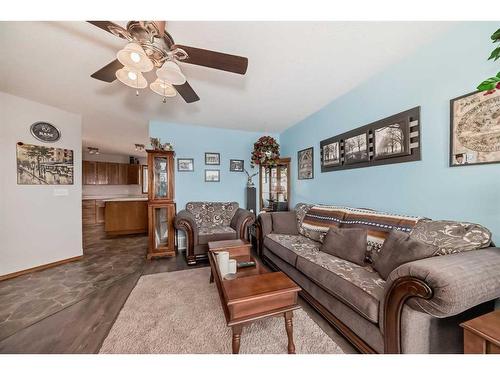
x: 105, y: 173
x: 113, y: 174
x: 102, y: 173
x: 89, y: 172
x: 126, y: 217
x: 122, y: 174
x: 134, y: 174
x: 99, y: 211
x: 88, y: 212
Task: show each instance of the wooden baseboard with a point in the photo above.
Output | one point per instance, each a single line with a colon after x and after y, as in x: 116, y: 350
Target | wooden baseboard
x: 39, y: 268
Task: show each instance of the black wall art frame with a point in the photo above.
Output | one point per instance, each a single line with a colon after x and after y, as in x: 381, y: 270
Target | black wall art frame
x: 305, y: 164
x: 395, y: 139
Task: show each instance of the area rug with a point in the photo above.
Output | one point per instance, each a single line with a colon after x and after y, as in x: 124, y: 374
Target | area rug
x: 180, y: 313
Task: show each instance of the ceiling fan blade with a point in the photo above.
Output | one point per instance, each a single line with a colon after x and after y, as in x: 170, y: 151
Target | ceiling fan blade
x: 215, y: 60
x: 107, y: 73
x: 111, y: 28
x: 161, y: 27
x: 186, y: 91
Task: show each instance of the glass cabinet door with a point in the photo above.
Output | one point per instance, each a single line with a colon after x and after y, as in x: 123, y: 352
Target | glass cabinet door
x: 161, y: 226
x: 160, y: 177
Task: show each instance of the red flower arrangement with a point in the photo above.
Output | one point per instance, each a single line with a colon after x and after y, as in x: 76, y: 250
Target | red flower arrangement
x: 266, y: 152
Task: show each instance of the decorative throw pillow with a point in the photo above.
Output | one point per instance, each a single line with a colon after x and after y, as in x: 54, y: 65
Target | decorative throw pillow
x: 346, y: 243
x: 400, y: 248
x: 452, y: 236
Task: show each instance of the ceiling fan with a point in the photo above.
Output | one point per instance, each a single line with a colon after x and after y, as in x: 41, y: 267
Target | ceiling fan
x: 149, y: 47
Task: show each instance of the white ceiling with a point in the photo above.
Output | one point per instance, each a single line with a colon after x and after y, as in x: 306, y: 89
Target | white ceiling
x: 295, y: 68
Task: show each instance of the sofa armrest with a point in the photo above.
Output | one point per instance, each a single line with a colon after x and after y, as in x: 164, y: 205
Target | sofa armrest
x: 184, y: 220
x: 241, y: 220
x: 265, y: 221
x: 440, y: 286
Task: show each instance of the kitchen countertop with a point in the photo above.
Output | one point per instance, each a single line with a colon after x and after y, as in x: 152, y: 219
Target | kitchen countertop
x: 115, y: 198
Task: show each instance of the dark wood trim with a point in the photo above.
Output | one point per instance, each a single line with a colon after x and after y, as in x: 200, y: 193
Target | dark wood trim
x: 185, y: 225
x: 413, y: 154
x: 244, y: 227
x: 39, y: 268
x: 399, y: 292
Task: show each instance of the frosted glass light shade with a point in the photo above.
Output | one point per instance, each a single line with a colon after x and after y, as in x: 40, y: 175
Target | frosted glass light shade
x: 133, y: 56
x: 163, y: 88
x: 171, y: 73
x: 125, y: 75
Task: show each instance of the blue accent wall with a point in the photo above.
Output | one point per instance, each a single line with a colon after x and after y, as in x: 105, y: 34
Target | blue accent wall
x: 192, y: 142
x: 450, y: 66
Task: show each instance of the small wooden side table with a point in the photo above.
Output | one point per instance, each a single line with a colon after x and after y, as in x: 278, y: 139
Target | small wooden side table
x: 482, y: 334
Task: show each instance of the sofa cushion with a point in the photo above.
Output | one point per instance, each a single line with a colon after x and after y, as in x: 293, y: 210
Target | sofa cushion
x: 346, y: 243
x: 287, y: 246
x: 215, y: 233
x: 300, y: 212
x: 319, y: 218
x: 212, y: 213
x: 452, y: 236
x: 361, y: 288
x: 400, y: 248
x: 284, y: 222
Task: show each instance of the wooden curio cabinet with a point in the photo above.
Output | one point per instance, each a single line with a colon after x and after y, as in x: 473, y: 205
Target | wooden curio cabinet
x: 161, y: 205
x: 274, y: 185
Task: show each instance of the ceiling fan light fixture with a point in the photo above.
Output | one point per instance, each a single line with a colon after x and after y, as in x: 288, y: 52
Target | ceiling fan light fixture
x: 133, y: 56
x: 131, y: 78
x: 163, y: 88
x: 171, y: 73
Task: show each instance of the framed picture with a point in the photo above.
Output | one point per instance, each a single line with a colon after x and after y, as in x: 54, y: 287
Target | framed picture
x: 305, y: 164
x: 41, y: 165
x: 474, y: 129
x: 391, y: 140
x: 212, y: 158
x: 212, y: 175
x: 331, y: 154
x: 236, y: 165
x: 356, y: 149
x: 185, y: 165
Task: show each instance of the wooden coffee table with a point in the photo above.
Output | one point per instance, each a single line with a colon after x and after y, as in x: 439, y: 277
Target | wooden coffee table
x: 255, y: 293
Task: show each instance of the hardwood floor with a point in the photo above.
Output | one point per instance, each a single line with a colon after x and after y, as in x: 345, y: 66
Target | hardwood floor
x: 71, y: 308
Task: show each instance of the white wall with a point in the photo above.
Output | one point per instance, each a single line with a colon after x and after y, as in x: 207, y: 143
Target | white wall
x: 37, y: 227
x: 111, y: 190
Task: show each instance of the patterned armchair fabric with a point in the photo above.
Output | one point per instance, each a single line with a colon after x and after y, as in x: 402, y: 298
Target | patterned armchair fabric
x: 212, y: 214
x: 204, y: 222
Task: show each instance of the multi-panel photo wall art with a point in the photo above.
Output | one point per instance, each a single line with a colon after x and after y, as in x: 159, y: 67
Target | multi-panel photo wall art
x: 395, y: 139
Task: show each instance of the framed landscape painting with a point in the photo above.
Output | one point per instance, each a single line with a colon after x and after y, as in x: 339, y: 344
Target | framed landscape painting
x: 305, y: 163
x: 236, y: 165
x: 475, y: 129
x: 392, y: 140
x: 41, y: 165
x: 212, y: 175
x: 356, y: 149
x: 212, y: 158
x: 185, y: 165
x: 331, y: 154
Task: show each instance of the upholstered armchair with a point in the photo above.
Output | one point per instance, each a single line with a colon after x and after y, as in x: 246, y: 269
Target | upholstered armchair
x: 203, y: 222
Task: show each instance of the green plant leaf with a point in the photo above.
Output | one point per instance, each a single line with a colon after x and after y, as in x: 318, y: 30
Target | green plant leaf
x: 495, y: 54
x: 498, y: 75
x: 488, y: 84
x: 496, y: 36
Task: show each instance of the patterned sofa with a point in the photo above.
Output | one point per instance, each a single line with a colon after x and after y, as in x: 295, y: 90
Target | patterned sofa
x: 418, y: 308
x: 203, y: 222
